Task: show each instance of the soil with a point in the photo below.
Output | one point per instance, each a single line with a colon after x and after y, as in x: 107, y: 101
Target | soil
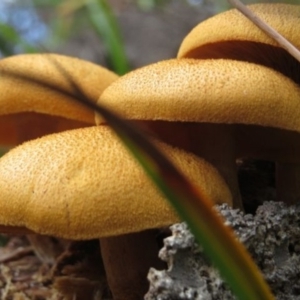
x: 77, y: 273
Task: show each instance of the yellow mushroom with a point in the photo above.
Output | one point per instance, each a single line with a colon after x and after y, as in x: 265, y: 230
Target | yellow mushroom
x: 28, y: 110
x: 82, y: 184
x: 214, y: 108
x: 231, y: 35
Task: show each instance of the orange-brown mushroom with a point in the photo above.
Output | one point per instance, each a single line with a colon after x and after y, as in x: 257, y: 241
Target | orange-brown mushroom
x: 238, y: 38
x: 82, y: 184
x: 219, y: 109
x: 28, y: 110
x: 230, y: 35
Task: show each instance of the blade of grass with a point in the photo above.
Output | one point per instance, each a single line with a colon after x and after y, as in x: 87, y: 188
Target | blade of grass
x: 8, y: 33
x: 218, y: 241
x: 104, y: 23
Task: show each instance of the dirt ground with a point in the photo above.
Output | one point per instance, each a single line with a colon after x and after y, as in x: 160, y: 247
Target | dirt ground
x: 76, y: 273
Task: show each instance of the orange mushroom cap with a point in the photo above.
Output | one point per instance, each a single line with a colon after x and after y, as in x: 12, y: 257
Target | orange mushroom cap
x: 233, y: 25
x: 231, y: 35
x: 82, y: 184
x: 27, y: 108
x: 212, y: 91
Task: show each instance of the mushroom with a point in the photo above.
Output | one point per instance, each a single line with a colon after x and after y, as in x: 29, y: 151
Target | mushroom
x: 29, y: 110
x: 81, y: 184
x: 230, y: 35
x: 218, y: 109
x: 238, y: 38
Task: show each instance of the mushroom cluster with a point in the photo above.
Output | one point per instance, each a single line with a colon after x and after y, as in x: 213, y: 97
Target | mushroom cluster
x: 29, y: 111
x: 81, y: 184
x: 205, y: 109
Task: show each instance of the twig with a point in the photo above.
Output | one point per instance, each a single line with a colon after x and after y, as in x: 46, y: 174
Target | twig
x: 16, y: 254
x: 282, y: 41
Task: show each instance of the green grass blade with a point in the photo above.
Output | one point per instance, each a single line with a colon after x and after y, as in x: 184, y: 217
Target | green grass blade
x: 218, y: 241
x: 9, y: 37
x: 105, y: 25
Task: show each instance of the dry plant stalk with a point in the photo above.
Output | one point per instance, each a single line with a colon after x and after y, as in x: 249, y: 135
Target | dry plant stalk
x: 282, y: 41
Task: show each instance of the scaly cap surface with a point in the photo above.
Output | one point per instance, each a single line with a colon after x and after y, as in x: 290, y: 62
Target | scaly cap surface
x: 28, y: 110
x: 82, y: 184
x: 234, y: 26
x: 213, y: 91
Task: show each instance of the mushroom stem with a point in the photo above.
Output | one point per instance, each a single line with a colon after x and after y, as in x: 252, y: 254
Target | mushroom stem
x: 127, y: 260
x: 288, y: 182
x: 219, y: 150
x: 213, y: 142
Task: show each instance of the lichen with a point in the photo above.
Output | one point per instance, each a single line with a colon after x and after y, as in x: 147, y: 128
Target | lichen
x: 272, y: 237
